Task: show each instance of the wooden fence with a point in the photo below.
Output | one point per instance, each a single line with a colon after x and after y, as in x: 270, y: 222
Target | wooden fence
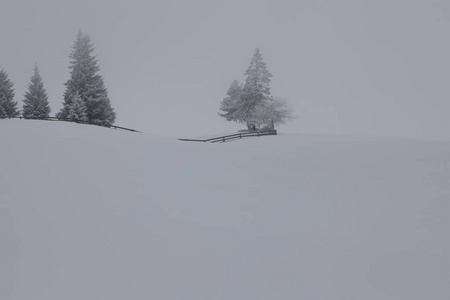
x: 233, y: 136
x: 71, y: 120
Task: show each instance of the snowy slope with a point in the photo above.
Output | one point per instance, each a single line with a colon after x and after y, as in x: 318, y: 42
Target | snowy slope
x: 94, y: 213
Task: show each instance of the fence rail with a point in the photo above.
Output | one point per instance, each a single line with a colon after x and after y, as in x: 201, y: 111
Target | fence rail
x: 69, y: 120
x: 232, y: 136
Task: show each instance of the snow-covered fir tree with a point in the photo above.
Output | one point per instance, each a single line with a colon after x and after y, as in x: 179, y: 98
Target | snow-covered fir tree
x: 89, y: 86
x: 252, y: 103
x: 36, y: 104
x: 78, y: 109
x: 232, y: 103
x: 8, y: 107
x: 256, y: 88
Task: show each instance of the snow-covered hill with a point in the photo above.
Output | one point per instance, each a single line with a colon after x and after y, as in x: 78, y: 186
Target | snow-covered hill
x: 94, y: 213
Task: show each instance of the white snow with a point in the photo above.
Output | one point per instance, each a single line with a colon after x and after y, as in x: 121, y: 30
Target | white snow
x: 93, y: 213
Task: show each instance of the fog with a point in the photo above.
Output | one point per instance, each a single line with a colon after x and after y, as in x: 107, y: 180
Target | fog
x: 346, y: 67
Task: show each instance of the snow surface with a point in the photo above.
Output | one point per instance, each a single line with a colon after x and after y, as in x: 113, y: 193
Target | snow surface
x: 93, y: 213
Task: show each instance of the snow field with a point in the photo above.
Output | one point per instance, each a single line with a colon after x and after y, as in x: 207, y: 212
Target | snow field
x: 94, y: 213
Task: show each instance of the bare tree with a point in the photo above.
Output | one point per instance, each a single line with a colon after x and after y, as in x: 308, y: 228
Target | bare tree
x: 271, y: 113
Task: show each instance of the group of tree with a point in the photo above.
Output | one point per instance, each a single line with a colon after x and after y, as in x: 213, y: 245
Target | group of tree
x: 251, y: 103
x: 85, y: 99
x: 35, y: 102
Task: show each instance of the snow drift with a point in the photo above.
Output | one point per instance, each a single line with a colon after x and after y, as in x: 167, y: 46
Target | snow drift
x: 94, y: 213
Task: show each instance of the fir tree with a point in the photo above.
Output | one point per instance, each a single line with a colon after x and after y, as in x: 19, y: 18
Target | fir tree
x: 256, y: 88
x: 36, y: 104
x: 232, y: 103
x: 89, y: 86
x: 78, y: 109
x: 8, y: 107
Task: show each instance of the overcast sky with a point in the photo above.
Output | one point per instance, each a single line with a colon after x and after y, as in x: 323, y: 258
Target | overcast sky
x: 351, y: 66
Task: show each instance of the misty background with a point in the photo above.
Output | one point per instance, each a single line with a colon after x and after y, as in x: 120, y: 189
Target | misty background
x: 347, y: 67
